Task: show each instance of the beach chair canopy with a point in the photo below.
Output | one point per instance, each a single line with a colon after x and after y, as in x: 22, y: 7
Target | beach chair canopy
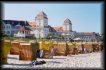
x: 78, y: 38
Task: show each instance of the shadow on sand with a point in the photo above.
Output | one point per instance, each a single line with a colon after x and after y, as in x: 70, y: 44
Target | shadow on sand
x: 13, y: 58
x: 23, y: 64
x: 59, y: 58
x: 53, y: 62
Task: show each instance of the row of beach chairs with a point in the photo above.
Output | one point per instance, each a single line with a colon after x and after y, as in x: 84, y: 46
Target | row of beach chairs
x: 28, y: 51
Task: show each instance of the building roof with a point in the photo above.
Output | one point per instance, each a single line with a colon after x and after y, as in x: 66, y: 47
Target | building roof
x: 86, y: 33
x: 32, y: 24
x: 16, y: 22
x: 41, y: 15
x: 24, y: 29
x: 67, y: 31
x: 58, y: 29
x: 51, y: 29
x: 41, y: 27
x: 67, y: 21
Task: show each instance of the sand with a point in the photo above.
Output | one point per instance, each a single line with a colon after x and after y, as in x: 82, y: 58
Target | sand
x: 89, y: 60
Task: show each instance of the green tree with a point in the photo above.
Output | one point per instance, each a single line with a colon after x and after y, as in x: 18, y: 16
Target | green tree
x: 49, y: 36
x: 61, y: 36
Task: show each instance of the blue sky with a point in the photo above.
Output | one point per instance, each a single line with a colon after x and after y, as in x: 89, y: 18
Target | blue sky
x: 85, y: 17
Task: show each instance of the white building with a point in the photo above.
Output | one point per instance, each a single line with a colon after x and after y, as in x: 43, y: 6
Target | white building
x: 16, y: 28
x: 39, y: 28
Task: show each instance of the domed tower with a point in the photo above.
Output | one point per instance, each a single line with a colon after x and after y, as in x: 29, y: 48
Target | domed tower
x: 41, y: 19
x: 67, y: 25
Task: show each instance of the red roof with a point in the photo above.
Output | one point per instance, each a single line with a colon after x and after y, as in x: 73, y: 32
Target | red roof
x: 51, y: 29
x: 67, y: 21
x: 23, y: 29
x: 67, y: 31
x: 32, y: 24
x: 86, y: 33
x: 41, y: 26
x: 59, y: 29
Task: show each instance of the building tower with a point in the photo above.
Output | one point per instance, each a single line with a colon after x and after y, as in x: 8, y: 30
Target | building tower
x: 42, y: 29
x: 67, y: 25
x: 41, y: 19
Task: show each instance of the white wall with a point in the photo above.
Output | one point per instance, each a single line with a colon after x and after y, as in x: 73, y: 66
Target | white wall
x: 42, y: 22
x: 70, y: 26
x: 21, y: 34
x: 3, y: 27
x: 36, y: 33
x: 45, y: 22
x: 65, y: 27
x: 46, y: 31
x: 8, y: 29
x: 37, y: 22
x: 42, y: 33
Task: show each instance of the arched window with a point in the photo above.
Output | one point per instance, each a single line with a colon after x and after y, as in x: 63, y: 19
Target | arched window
x: 7, y: 27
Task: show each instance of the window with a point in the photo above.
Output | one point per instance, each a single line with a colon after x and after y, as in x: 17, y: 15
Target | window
x: 9, y: 27
x: 4, y: 32
x: 53, y: 33
x: 4, y: 27
x: 66, y: 27
x: 13, y: 32
x: 27, y: 32
x: 23, y: 32
x: 8, y: 32
x: 17, y: 27
x: 38, y: 35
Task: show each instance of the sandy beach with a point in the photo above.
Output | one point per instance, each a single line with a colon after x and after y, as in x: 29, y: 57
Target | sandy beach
x: 89, y: 60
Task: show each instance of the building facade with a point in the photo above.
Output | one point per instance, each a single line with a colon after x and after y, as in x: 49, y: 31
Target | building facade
x: 89, y: 36
x: 39, y: 28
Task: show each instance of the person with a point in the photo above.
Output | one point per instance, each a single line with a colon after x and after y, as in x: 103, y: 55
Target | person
x: 38, y: 62
x: 74, y: 50
x: 41, y: 53
x: 53, y: 52
x: 83, y: 49
x: 33, y: 62
x: 79, y: 50
x: 38, y: 53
